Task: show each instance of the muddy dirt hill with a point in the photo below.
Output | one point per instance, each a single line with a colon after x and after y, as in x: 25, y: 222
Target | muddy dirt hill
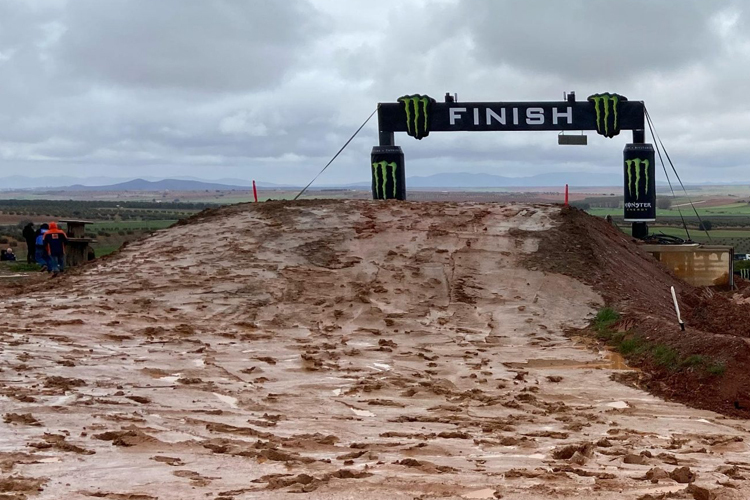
x: 361, y: 350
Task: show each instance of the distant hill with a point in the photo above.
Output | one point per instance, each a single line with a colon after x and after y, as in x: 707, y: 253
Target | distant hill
x: 23, y: 182
x: 451, y: 180
x: 163, y: 185
x: 63, y: 183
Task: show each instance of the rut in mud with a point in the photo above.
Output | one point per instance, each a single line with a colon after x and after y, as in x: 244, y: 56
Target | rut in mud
x: 344, y: 349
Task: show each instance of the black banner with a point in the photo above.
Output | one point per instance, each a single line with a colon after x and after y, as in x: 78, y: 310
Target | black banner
x: 640, y: 183
x: 420, y: 115
x: 388, y: 173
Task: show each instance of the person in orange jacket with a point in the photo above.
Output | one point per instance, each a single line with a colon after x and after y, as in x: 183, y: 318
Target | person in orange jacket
x: 54, y: 241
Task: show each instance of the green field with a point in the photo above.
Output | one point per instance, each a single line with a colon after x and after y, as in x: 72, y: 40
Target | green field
x: 102, y: 250
x: 284, y: 195
x: 111, y: 235
x: 140, y: 225
x: 737, y: 238
x: 735, y: 209
x: 695, y: 233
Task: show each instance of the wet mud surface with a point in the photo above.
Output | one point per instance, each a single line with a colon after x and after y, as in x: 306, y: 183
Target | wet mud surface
x: 337, y: 350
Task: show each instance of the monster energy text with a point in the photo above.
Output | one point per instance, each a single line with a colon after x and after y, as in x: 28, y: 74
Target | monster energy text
x: 607, y: 110
x: 380, y: 177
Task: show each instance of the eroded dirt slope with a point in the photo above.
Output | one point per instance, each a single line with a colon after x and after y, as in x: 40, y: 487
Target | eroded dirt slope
x: 633, y: 282
x: 345, y: 349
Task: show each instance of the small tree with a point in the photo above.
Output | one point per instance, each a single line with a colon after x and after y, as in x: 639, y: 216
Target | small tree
x: 705, y: 225
x: 664, y: 203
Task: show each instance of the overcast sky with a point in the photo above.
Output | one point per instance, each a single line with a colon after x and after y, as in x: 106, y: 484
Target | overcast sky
x: 271, y: 89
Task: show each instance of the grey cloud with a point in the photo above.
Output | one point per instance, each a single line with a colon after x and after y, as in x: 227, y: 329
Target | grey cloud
x: 593, y: 39
x: 272, y: 89
x: 220, y: 45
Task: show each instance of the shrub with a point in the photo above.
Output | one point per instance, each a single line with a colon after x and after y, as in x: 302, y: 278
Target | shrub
x: 664, y: 203
x: 605, y: 318
x: 696, y: 360
x: 665, y: 356
x: 717, y: 369
x: 23, y: 267
x: 632, y: 346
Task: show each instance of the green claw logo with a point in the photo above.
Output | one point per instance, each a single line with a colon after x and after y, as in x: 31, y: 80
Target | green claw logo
x: 635, y: 186
x: 418, y: 110
x: 607, y: 109
x: 380, y: 178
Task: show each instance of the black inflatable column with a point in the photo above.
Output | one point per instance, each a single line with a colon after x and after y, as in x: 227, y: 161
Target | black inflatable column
x: 639, y: 172
x: 388, y: 173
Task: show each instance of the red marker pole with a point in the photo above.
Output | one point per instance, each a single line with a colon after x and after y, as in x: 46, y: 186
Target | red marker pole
x: 566, y: 195
x: 255, y: 192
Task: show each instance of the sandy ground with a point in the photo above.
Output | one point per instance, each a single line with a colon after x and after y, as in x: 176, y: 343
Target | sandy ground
x: 343, y: 349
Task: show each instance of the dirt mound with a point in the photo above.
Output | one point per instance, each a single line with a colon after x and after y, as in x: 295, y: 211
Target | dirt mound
x: 599, y: 254
x: 705, y: 366
x: 353, y: 349
x: 716, y: 312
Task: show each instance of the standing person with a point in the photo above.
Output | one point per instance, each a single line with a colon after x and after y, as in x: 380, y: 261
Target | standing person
x: 41, y: 252
x: 54, y: 241
x: 30, y: 236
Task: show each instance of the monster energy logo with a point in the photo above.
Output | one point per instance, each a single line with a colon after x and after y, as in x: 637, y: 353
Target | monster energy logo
x: 380, y: 178
x: 635, y: 186
x: 418, y: 110
x: 607, y: 109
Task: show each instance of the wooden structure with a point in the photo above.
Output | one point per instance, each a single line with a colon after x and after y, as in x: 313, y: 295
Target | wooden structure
x: 77, y: 251
x: 699, y: 265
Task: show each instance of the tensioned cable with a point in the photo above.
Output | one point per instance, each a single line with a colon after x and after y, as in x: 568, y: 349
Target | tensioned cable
x: 674, y: 195
x: 337, y: 154
x: 655, y: 134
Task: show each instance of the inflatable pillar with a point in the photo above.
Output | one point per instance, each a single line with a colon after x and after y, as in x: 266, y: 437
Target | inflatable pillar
x: 639, y: 172
x: 388, y: 173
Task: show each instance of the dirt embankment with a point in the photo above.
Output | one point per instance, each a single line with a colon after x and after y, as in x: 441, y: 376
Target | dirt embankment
x: 634, y: 283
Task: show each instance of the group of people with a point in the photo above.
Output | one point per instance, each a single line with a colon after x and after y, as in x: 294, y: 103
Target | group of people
x: 46, y: 246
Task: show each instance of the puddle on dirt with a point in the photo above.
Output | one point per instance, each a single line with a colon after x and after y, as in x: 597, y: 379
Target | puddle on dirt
x: 611, y: 361
x: 620, y: 405
x: 362, y: 413
x: 173, y: 437
x: 659, y: 490
x: 231, y: 401
x: 485, y: 493
x: 534, y: 456
x: 62, y: 400
x: 615, y: 361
